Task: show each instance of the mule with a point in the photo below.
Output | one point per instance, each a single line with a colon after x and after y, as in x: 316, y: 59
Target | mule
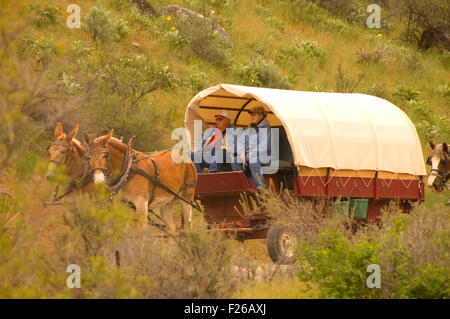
x: 67, y: 151
x: 439, y: 160
x: 133, y: 176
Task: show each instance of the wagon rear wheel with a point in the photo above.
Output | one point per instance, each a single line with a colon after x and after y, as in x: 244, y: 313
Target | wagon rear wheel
x: 281, y: 244
x: 5, y: 194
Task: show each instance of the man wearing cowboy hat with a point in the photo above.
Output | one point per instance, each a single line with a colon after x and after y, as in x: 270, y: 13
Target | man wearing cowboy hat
x: 214, y: 143
x: 258, y: 142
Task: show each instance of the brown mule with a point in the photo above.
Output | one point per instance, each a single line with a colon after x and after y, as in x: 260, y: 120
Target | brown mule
x: 134, y: 173
x: 67, y: 150
x: 439, y: 160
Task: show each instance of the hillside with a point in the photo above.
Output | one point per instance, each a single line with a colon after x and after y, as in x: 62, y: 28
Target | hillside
x: 135, y: 70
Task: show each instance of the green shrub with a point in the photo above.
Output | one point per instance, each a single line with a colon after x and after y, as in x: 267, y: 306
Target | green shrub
x: 197, y: 81
x: 80, y: 48
x: 121, y: 99
x: 406, y: 93
x: 207, y: 5
x: 411, y: 250
x: 134, y: 17
x: 261, y: 72
x: 301, y: 49
x: 352, y: 11
x: 260, y: 10
x: 274, y: 23
x: 444, y: 90
x: 45, y: 16
x: 337, y: 265
x: 431, y: 282
x: 306, y: 11
x: 27, y: 162
x: 378, y: 90
x: 381, y: 53
x: 44, y: 48
x: 100, y: 26
x: 445, y: 58
x: 408, y: 57
x: 346, y: 83
x: 202, y: 39
x: 177, y: 38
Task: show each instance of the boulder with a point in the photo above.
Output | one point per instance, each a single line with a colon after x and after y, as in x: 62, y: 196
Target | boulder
x: 144, y: 7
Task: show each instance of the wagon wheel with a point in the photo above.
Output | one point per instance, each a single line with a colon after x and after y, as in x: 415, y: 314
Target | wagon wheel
x: 6, y: 193
x: 281, y: 244
x: 6, y: 198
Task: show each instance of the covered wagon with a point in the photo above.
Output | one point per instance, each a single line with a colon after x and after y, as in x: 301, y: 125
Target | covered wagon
x: 330, y: 145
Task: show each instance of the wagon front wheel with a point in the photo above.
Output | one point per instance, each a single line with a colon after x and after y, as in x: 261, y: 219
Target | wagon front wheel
x: 281, y: 244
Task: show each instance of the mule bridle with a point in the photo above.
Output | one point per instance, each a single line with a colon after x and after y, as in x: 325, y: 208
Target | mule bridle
x: 56, y: 144
x: 94, y: 154
x: 81, y: 180
x: 441, y: 174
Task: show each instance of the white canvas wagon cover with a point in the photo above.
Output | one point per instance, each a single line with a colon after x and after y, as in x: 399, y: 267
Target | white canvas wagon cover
x: 344, y: 131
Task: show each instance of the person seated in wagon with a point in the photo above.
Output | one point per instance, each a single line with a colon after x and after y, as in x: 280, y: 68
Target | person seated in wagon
x: 253, y: 146
x: 211, y: 152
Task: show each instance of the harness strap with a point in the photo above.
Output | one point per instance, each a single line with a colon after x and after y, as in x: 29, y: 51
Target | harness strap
x: 155, y: 165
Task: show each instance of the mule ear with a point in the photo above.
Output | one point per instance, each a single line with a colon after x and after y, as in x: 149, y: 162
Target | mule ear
x: 109, y: 135
x: 58, y: 130
x: 72, y: 134
x: 432, y: 145
x: 87, y: 138
x: 445, y: 147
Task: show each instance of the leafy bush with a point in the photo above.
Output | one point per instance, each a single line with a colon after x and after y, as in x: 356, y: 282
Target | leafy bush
x: 80, y: 49
x: 408, y: 57
x: 45, y: 16
x: 120, y: 98
x: 445, y: 58
x: 378, y: 90
x: 261, y: 72
x: 352, y: 11
x: 346, y: 83
x: 405, y: 93
x: 197, y: 81
x: 444, y: 90
x: 305, y: 11
x: 338, y: 263
x: 274, y: 23
x: 301, y: 48
x: 134, y: 17
x: 44, y: 48
x: 99, y: 25
x: 202, y: 39
x: 381, y: 53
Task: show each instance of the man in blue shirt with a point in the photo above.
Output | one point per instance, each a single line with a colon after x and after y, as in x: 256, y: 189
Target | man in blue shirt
x: 254, y: 143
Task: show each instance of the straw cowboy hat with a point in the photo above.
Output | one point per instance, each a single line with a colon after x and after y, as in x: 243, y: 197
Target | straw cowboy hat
x: 258, y: 109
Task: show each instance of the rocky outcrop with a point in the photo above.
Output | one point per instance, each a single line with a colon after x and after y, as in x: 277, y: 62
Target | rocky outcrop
x: 144, y: 7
